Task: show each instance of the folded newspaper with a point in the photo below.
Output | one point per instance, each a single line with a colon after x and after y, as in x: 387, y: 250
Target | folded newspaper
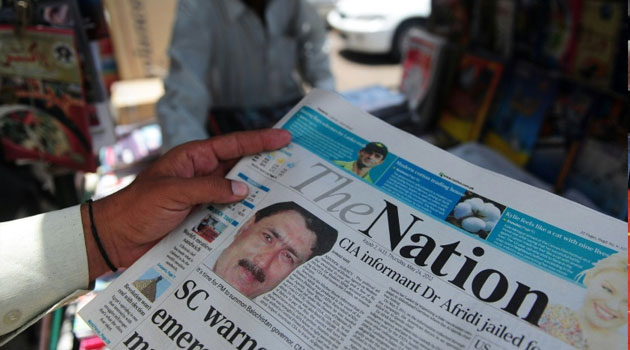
x: 360, y: 236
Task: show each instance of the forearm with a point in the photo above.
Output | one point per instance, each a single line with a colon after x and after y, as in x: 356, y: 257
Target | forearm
x: 50, y: 259
x: 43, y: 261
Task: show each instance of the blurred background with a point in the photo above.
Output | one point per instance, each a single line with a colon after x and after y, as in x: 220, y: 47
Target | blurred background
x: 534, y: 90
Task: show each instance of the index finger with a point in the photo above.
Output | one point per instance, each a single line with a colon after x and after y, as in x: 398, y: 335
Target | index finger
x: 237, y: 145
x: 200, y: 158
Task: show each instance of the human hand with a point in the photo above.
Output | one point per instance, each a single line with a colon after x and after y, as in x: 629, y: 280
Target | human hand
x: 134, y: 219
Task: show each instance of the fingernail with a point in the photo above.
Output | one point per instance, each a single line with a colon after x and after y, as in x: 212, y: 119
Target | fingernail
x: 239, y: 189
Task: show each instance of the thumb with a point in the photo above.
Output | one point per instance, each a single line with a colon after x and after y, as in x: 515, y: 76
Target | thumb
x: 210, y: 189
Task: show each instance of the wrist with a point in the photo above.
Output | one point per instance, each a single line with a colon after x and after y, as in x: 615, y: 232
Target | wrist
x: 101, y: 251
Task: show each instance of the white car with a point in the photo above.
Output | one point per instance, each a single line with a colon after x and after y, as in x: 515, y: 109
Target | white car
x: 378, y: 26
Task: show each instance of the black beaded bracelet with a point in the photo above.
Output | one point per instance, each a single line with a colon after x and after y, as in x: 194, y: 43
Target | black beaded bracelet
x: 98, y: 240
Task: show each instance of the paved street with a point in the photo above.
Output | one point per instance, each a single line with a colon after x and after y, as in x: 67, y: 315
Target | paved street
x: 353, y: 70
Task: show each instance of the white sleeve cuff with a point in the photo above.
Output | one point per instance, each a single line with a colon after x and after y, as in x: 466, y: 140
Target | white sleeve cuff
x: 44, y: 260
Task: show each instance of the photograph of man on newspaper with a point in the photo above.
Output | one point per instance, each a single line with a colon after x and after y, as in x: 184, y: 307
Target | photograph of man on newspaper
x: 373, y: 154
x: 598, y: 323
x: 271, y: 245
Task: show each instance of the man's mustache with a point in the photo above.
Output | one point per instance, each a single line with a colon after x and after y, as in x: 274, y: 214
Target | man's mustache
x: 258, y: 273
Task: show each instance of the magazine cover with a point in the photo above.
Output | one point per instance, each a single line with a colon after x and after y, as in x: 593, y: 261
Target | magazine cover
x: 43, y: 113
x: 559, y: 43
x: 519, y: 113
x: 65, y: 14
x: 466, y: 108
x: 597, y: 43
x: 420, y: 66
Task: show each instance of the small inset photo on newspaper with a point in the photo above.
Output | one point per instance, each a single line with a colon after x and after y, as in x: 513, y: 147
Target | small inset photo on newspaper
x: 151, y: 284
x: 372, y: 155
x: 210, y: 227
x: 601, y: 320
x: 270, y: 245
x: 476, y: 214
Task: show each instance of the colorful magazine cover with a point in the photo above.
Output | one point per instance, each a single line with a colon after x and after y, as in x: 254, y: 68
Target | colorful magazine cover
x: 558, y: 49
x: 525, y: 98
x: 420, y: 66
x: 466, y: 108
x: 597, y: 44
x: 43, y: 113
x: 65, y: 14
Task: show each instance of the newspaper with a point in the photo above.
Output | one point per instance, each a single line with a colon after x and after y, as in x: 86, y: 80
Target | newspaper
x: 422, y: 251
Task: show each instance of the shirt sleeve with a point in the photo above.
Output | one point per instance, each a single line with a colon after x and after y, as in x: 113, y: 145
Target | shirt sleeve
x: 44, y: 266
x: 314, y: 49
x: 183, y: 110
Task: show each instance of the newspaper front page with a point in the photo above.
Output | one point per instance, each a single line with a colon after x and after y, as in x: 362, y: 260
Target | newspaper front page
x: 360, y: 236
